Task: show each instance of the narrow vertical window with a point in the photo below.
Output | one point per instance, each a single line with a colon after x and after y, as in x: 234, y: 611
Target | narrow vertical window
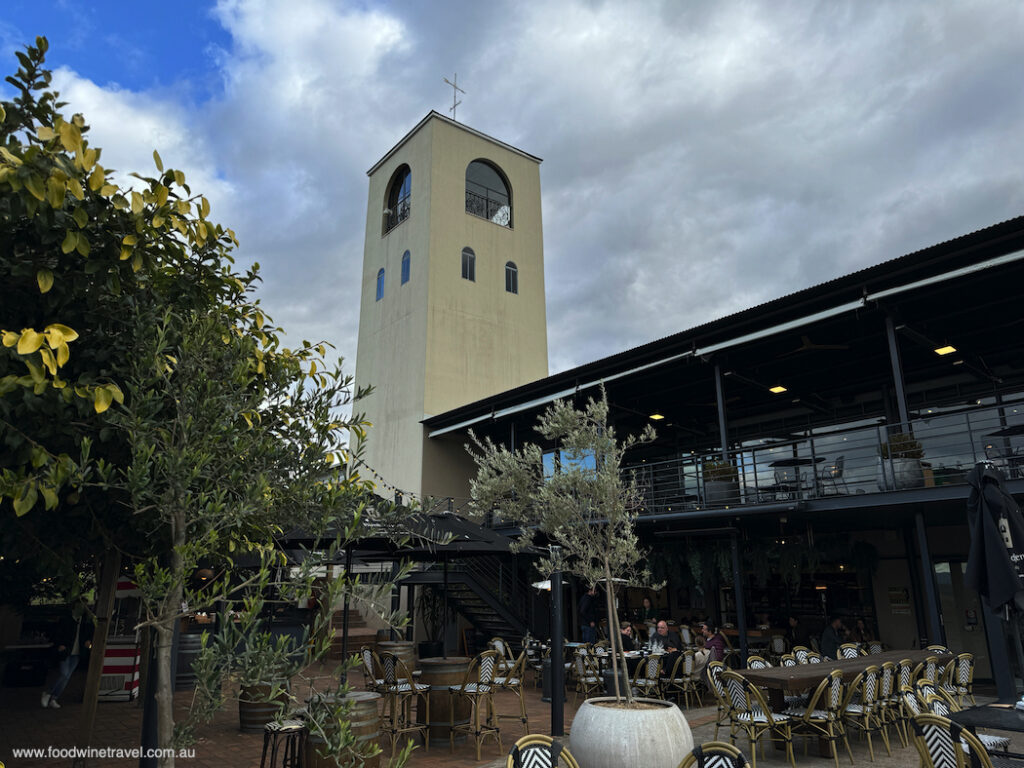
x: 397, y: 201
x: 380, y: 285
x: 405, y: 268
x: 511, y: 277
x: 468, y: 264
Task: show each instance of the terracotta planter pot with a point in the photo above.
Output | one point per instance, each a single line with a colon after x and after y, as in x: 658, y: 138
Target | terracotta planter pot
x: 611, y: 737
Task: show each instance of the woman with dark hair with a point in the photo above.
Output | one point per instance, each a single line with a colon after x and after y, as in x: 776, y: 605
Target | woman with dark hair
x: 860, y: 632
x: 713, y: 641
x: 647, y: 610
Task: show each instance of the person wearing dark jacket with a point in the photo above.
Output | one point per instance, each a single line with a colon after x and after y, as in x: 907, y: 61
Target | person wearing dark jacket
x: 72, y: 637
x: 832, y: 638
x: 590, y: 615
x: 626, y: 636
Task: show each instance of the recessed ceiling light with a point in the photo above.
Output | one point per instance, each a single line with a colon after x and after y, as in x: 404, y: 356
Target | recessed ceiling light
x: 778, y: 389
x: 657, y: 416
x: 946, y: 350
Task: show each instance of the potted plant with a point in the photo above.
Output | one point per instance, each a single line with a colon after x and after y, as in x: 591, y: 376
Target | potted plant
x: 899, y: 463
x: 721, y: 483
x: 262, y: 667
x: 430, y: 609
x: 589, y: 508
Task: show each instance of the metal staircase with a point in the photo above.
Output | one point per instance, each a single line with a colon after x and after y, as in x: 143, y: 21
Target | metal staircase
x: 487, y: 591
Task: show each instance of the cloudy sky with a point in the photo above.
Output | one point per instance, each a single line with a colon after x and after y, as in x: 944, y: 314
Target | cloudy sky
x: 699, y: 157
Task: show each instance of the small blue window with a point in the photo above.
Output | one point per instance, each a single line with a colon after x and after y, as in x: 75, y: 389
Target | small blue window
x: 380, y: 285
x: 405, y: 268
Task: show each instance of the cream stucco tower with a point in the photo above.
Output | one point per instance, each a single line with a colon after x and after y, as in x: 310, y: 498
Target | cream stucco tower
x: 452, y: 301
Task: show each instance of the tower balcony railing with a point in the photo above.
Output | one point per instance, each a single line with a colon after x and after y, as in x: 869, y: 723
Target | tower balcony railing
x: 934, y: 449
x: 395, y: 216
x: 492, y: 208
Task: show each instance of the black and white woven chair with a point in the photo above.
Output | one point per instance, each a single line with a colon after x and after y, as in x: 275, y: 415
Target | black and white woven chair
x: 958, y: 678
x: 849, y: 651
x: 757, y: 662
x: 787, y: 660
x: 372, y: 674
x: 478, y: 687
x: 941, y: 704
x: 512, y: 680
x: 715, y: 754
x: 587, y: 674
x: 800, y: 653
x: 860, y: 710
x: 285, y: 738
x: 941, y: 743
x: 823, y: 715
x: 717, y: 688
x: 751, y: 713
x: 536, y: 750
x: 401, y: 689
x: 648, y: 676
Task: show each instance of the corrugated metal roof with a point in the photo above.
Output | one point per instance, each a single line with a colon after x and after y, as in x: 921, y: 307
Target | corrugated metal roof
x: 947, y: 256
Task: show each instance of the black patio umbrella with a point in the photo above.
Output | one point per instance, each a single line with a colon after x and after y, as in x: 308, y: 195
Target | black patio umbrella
x: 995, y: 563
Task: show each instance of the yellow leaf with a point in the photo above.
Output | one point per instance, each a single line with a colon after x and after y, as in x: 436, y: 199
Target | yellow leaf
x: 107, y: 190
x: 126, y: 253
x: 182, y: 206
x: 35, y: 372
x: 45, y: 133
x: 58, y: 333
x: 161, y: 195
x: 48, y: 361
x: 247, y: 419
x: 96, y: 178
x: 9, y: 157
x: 70, y: 241
x: 3, y: 115
x: 10, y: 338
x: 180, y: 178
x: 115, y: 392
x: 55, y: 192
x: 25, y: 500
x: 204, y: 208
x: 80, y: 216
x: 158, y: 161
x: 70, y: 136
x: 101, y: 399
x: 158, y: 220
x: 29, y: 342
x: 136, y: 202
x: 63, y: 354
x: 89, y: 158
x: 130, y: 240
x: 45, y: 279
x: 136, y: 262
x: 49, y: 496
x: 83, y: 244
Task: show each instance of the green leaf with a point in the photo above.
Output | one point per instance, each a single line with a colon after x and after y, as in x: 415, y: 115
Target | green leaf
x: 70, y: 242
x: 26, y: 500
x: 45, y: 279
x: 3, y: 114
x: 137, y: 202
x: 35, y: 186
x: 80, y: 216
x: 158, y: 161
x: 49, y: 496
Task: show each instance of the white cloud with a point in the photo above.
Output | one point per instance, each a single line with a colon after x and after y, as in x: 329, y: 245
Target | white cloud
x: 700, y: 158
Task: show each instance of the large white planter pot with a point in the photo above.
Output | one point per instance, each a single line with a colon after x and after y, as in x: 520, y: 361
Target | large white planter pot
x: 613, y: 737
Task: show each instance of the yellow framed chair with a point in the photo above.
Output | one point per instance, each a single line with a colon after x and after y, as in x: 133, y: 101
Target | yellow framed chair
x: 512, y: 680
x: 401, y: 690
x: 536, y: 750
x: 478, y: 687
x: 715, y: 754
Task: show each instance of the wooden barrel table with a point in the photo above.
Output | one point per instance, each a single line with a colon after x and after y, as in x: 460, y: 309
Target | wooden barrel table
x: 403, y: 649
x: 439, y: 673
x: 365, y: 723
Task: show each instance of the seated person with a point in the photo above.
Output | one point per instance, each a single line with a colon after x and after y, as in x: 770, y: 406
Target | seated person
x: 626, y: 636
x: 665, y: 640
x: 832, y: 637
x: 713, y: 640
x: 701, y: 656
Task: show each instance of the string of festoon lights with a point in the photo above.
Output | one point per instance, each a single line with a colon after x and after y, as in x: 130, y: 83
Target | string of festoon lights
x: 380, y: 484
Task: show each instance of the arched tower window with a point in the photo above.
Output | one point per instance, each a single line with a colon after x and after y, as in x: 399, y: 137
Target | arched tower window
x: 468, y: 264
x: 488, y: 193
x: 396, y: 203
x: 380, y: 285
x: 511, y: 277
x: 405, y: 267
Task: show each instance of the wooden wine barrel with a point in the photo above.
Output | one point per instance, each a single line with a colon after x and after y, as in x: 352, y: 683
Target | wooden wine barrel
x: 189, y: 645
x: 254, y: 711
x: 403, y: 649
x: 439, y: 673
x: 365, y: 723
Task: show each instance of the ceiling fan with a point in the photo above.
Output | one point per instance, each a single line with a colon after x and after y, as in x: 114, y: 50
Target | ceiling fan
x: 806, y: 345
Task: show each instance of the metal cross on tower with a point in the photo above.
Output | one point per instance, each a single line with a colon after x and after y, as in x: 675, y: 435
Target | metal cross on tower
x: 455, y: 88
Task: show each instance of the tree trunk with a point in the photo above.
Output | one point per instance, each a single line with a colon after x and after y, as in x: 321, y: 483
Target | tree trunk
x: 164, y: 691
x: 104, y: 607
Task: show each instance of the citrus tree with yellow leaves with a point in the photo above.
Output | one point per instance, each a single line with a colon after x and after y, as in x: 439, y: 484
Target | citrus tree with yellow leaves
x: 147, y: 403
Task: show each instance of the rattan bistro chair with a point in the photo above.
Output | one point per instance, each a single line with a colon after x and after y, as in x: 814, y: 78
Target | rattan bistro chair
x: 751, y: 713
x: 715, y: 754
x: 372, y: 674
x: 401, y: 689
x: 860, y: 708
x: 717, y: 687
x: 536, y: 750
x: 958, y: 678
x: 478, y: 687
x: 849, y: 651
x: 512, y: 680
x: 648, y: 676
x: 941, y: 743
x: 823, y: 715
x: 587, y: 674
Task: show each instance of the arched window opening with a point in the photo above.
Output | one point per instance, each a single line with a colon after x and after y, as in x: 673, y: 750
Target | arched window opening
x: 396, y: 207
x: 488, y: 194
x: 405, y: 267
x: 511, y: 277
x: 380, y: 285
x: 468, y: 264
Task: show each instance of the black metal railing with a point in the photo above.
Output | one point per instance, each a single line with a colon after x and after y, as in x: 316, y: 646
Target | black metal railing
x: 395, y: 216
x: 493, y: 208
x: 935, y: 449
